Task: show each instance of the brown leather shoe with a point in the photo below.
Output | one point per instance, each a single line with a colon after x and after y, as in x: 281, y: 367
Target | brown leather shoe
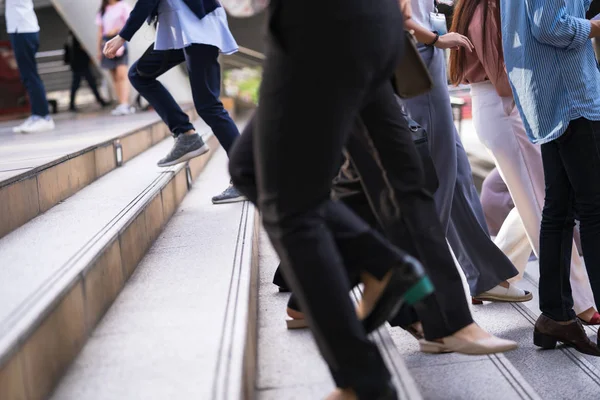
x: 548, y: 332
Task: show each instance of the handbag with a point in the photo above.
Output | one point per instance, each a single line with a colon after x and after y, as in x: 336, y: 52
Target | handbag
x: 411, y: 77
x: 419, y: 137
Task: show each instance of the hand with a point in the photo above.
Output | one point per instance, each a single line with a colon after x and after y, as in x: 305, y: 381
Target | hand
x: 454, y: 41
x: 111, y: 47
x: 595, y: 31
x: 406, y: 9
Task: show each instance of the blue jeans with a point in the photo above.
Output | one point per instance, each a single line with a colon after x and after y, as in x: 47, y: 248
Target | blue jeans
x: 25, y: 45
x: 572, y: 175
x: 205, y: 78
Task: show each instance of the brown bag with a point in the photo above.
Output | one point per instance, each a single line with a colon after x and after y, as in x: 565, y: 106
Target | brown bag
x: 411, y: 77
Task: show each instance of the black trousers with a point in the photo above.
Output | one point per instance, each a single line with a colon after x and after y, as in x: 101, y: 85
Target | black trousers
x: 80, y: 73
x: 205, y: 78
x: 572, y: 176
x: 321, y: 70
x: 383, y: 182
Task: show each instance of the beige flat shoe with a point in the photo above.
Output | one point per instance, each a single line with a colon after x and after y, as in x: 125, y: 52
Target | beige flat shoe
x: 511, y: 294
x: 292, y: 323
x: 489, y: 345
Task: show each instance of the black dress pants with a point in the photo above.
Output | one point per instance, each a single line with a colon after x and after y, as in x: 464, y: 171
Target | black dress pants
x: 383, y: 183
x: 322, y: 69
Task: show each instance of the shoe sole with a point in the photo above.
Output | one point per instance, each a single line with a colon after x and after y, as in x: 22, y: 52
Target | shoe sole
x: 38, y: 130
x: 296, y: 324
x: 232, y: 200
x: 187, y: 156
x: 498, y: 299
x: 433, y: 347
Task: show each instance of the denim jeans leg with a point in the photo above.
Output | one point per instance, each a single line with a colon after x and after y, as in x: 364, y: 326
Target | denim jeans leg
x: 205, y: 77
x: 143, y: 76
x: 25, y: 46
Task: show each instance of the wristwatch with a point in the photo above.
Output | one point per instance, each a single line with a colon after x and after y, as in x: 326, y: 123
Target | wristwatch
x: 437, y: 36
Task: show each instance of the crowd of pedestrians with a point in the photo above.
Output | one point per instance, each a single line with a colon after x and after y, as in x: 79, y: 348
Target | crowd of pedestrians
x: 345, y: 196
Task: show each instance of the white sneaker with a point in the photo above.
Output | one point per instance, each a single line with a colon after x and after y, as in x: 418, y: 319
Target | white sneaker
x: 38, y: 124
x: 123, y: 109
x: 19, y: 129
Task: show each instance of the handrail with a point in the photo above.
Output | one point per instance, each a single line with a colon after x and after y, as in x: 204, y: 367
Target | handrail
x: 252, y: 53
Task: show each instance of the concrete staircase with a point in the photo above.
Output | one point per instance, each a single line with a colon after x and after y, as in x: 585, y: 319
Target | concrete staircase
x: 130, y: 284
x: 75, y: 223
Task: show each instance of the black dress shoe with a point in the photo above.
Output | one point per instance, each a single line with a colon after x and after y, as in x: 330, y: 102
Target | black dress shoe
x: 408, y: 284
x: 548, y: 332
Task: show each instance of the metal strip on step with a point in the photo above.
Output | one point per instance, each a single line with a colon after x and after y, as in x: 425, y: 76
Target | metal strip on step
x: 229, y: 369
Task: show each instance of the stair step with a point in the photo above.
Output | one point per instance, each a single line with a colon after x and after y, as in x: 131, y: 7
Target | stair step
x: 178, y: 329
x: 62, y: 270
x: 38, y: 171
x: 289, y: 365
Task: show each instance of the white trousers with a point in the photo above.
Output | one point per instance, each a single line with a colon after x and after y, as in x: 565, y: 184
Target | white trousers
x: 500, y: 129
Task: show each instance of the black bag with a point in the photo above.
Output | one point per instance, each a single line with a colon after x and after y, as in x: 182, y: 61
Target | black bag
x: 419, y: 137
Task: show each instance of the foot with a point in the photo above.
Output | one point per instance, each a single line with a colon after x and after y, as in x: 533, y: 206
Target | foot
x: 35, y: 124
x: 296, y: 319
x: 548, y: 332
x: 123, y: 109
x: 185, y: 148
x: 416, y: 330
x: 229, y: 195
x: 504, y: 292
x: 469, y: 340
x: 406, y: 283
x: 589, y: 317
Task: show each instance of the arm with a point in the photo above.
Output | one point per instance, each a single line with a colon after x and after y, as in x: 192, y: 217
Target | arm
x: 139, y: 14
x: 421, y: 34
x: 448, y: 41
x: 551, y: 25
x: 100, y: 40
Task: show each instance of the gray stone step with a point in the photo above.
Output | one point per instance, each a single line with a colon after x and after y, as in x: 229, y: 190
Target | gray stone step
x: 62, y: 270
x: 289, y: 365
x: 39, y: 170
x: 178, y: 329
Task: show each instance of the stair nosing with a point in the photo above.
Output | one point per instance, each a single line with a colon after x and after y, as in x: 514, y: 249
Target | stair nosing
x: 35, y: 311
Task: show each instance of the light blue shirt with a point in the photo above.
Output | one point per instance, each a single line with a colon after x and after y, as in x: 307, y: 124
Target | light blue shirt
x: 551, y: 64
x: 179, y: 27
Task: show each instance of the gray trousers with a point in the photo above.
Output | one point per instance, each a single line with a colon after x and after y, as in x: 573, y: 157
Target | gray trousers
x: 457, y: 201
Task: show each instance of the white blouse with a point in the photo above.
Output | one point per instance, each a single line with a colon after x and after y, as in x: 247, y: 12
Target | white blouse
x: 179, y: 27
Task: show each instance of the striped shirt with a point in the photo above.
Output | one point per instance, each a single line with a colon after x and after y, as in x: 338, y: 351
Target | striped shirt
x: 551, y: 64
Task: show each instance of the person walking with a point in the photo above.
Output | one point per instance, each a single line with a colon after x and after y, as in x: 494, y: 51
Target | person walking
x: 486, y: 268
x: 194, y: 32
x: 78, y: 59
x: 111, y: 18
x: 555, y: 83
x: 321, y: 243
x: 382, y: 181
x: 24, y: 33
x: 500, y: 129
